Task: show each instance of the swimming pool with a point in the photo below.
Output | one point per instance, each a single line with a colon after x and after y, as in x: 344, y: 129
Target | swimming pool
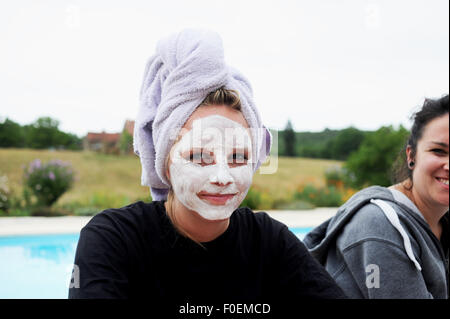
x: 40, y: 266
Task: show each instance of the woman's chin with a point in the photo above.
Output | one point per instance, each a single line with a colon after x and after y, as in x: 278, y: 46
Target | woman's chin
x: 215, y: 216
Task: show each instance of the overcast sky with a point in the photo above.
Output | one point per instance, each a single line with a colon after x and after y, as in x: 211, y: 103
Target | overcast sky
x: 322, y: 64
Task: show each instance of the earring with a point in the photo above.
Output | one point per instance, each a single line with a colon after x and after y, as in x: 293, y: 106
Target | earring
x: 411, y: 164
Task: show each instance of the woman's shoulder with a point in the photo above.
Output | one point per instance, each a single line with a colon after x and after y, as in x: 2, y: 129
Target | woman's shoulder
x: 370, y: 223
x: 261, y: 220
x: 133, y: 217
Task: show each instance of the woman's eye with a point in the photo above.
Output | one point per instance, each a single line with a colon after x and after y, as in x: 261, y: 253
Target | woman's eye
x: 195, y: 157
x: 238, y: 159
x: 202, y: 158
x: 439, y: 151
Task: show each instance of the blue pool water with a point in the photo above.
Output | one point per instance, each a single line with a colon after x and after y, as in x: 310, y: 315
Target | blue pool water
x: 300, y: 231
x: 41, y: 266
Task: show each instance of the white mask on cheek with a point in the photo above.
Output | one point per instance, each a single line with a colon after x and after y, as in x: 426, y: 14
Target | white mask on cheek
x: 212, y: 185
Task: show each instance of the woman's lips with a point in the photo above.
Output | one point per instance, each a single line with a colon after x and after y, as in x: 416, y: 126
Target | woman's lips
x: 215, y: 199
x: 443, y: 181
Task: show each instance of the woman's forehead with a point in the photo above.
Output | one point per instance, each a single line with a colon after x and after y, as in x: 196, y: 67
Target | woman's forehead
x: 215, y: 131
x: 222, y: 110
x: 437, y: 130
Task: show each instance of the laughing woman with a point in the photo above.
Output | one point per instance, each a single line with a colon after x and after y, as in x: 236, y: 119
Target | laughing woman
x: 394, y: 242
x: 200, y: 140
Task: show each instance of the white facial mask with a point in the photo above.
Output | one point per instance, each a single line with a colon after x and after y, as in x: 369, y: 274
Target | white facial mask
x: 213, y: 185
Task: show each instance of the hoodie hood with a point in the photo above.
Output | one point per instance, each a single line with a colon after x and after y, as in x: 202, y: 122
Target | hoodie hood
x: 396, y: 222
x: 319, y: 239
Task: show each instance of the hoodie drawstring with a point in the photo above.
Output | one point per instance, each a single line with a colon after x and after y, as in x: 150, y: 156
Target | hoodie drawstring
x: 392, y: 216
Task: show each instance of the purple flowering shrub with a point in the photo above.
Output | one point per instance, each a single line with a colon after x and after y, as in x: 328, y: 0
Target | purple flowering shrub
x: 48, y: 181
x: 4, y: 194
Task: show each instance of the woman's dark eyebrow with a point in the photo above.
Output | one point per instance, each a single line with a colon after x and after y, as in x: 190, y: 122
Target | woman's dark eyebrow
x: 441, y: 144
x: 240, y: 149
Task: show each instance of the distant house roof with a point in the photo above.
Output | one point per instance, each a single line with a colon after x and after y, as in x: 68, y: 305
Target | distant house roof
x: 129, y: 127
x: 103, y: 137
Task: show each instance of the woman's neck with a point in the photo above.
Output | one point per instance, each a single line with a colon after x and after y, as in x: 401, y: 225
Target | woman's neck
x: 431, y: 213
x: 198, y: 228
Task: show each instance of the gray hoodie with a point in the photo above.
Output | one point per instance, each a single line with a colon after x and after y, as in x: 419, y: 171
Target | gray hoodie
x: 382, y: 249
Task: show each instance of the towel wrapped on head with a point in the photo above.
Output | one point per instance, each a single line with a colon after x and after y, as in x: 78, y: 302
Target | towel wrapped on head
x: 187, y: 67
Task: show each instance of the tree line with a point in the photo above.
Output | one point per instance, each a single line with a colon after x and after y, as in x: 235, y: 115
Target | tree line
x: 328, y: 144
x: 41, y: 134
x: 369, y: 155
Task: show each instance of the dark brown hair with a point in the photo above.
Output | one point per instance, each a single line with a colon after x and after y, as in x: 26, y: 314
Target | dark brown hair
x: 430, y: 110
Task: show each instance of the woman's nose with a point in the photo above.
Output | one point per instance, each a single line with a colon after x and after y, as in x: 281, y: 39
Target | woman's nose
x: 221, y: 176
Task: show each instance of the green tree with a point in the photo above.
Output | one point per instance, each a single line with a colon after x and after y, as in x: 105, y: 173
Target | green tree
x: 347, y: 141
x: 126, y: 142
x: 44, y: 133
x: 315, y: 144
x: 68, y: 141
x: 289, y: 140
x: 371, y: 164
x: 11, y: 134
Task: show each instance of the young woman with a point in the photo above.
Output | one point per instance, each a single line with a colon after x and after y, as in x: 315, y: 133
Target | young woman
x: 394, y: 242
x: 200, y: 140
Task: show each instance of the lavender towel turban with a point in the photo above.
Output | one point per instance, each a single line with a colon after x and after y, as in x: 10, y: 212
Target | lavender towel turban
x: 187, y: 66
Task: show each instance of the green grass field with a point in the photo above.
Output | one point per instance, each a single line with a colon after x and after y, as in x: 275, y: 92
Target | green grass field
x: 292, y: 173
x: 105, y: 178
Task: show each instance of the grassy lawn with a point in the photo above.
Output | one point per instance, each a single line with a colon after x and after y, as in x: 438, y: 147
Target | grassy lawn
x: 96, y: 175
x: 292, y: 173
x: 116, y: 179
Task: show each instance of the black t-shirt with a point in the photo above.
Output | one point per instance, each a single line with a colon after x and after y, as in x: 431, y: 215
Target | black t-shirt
x: 135, y: 252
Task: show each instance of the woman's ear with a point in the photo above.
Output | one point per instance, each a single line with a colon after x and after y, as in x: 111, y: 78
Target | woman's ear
x: 408, y: 154
x: 409, y: 157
